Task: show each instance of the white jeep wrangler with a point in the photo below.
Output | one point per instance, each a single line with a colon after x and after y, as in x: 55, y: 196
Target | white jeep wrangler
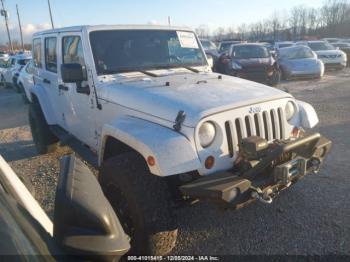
x: 142, y: 103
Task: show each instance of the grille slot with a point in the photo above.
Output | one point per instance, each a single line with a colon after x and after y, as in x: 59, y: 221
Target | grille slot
x: 267, y: 124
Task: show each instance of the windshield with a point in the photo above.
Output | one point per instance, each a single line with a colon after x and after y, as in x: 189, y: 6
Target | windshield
x: 319, y: 46
x: 23, y: 61
x: 296, y: 53
x: 250, y: 51
x: 226, y: 46
x: 284, y: 45
x: 208, y: 45
x: 120, y: 51
x: 342, y: 45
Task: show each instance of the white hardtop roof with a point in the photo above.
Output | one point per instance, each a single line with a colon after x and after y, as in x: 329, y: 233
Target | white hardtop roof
x: 90, y: 28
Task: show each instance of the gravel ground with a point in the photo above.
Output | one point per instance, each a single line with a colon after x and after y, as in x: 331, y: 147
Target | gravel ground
x: 311, y: 218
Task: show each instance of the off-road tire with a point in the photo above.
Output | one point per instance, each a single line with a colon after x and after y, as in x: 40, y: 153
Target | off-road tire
x: 16, y: 86
x: 276, y: 77
x: 142, y: 202
x: 45, y: 141
x: 3, y: 82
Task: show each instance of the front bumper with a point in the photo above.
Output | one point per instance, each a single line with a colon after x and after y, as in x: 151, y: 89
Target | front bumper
x: 285, y: 163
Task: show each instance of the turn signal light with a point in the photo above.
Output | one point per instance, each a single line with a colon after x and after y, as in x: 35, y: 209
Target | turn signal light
x: 209, y: 162
x: 295, y: 132
x: 151, y: 161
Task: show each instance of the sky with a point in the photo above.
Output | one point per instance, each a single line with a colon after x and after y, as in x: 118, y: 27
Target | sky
x: 192, y: 13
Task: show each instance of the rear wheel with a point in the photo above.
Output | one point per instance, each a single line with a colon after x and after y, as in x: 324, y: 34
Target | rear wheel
x: 3, y: 81
x: 142, y: 202
x: 45, y: 141
x: 16, y: 86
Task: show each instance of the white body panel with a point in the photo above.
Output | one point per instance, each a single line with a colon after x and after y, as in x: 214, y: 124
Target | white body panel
x: 151, y: 139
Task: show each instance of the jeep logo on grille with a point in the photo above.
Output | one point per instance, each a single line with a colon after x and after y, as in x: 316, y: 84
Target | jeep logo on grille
x: 254, y: 110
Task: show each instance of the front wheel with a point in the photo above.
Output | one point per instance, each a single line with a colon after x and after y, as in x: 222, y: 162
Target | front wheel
x: 142, y: 202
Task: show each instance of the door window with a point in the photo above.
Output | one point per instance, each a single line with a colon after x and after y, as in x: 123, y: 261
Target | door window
x: 37, y: 53
x: 51, y: 54
x: 72, y: 50
x: 29, y: 68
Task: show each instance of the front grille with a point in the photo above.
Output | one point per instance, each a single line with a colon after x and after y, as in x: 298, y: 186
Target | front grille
x: 266, y: 124
x: 330, y: 56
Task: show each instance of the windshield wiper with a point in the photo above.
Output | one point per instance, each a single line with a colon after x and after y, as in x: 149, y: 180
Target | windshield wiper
x: 191, y: 69
x: 148, y: 73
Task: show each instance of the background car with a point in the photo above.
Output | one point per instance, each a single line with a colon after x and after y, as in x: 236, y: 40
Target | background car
x: 331, y: 40
x: 224, y: 46
x: 14, y: 66
x: 299, y: 62
x: 330, y: 56
x: 279, y: 45
x: 345, y: 47
x: 251, y: 61
x: 3, y: 55
x: 25, y: 81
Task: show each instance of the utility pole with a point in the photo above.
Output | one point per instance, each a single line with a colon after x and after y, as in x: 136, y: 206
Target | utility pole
x: 4, y: 13
x: 20, y: 28
x: 169, y: 20
x: 48, y: 2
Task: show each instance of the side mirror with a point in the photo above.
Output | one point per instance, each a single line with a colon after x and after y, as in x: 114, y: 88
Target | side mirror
x: 72, y: 73
x: 85, y: 223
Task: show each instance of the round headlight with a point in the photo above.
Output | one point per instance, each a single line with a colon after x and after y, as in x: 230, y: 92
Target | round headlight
x: 290, y: 110
x: 206, y: 134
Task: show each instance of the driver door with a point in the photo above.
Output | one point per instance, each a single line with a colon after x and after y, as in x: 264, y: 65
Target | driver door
x: 78, y: 108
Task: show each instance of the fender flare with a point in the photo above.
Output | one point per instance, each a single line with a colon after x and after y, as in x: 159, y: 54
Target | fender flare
x: 43, y: 100
x: 173, y: 152
x: 307, y: 115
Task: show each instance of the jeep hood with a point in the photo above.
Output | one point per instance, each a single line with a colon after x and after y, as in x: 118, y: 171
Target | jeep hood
x: 199, y: 95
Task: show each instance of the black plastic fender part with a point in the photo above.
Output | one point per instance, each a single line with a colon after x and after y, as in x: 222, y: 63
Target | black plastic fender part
x: 85, y: 224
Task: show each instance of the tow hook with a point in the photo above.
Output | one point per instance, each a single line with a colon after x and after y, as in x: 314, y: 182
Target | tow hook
x: 264, y: 197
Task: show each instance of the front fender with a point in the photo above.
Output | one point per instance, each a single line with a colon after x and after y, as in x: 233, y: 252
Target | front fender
x: 46, y: 107
x: 172, y: 151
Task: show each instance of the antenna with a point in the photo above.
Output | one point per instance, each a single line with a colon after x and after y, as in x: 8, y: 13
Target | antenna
x: 48, y: 2
x: 20, y: 28
x: 4, y: 13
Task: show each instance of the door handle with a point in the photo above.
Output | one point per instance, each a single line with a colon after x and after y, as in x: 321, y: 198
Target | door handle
x: 46, y: 81
x: 63, y: 87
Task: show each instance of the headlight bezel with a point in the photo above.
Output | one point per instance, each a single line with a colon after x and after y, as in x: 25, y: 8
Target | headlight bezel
x: 290, y: 104
x: 213, y: 130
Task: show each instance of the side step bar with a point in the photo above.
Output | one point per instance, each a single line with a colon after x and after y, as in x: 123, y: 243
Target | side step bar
x: 77, y: 146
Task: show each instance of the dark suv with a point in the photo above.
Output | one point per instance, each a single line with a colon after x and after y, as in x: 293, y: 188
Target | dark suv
x: 251, y: 61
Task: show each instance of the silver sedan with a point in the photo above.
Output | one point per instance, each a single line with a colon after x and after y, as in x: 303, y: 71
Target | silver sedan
x: 299, y: 62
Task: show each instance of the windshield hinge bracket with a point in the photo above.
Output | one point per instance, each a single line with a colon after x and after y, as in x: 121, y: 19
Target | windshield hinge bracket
x: 180, y: 118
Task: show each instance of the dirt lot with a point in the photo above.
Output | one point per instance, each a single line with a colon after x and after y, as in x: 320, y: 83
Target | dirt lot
x: 313, y: 217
